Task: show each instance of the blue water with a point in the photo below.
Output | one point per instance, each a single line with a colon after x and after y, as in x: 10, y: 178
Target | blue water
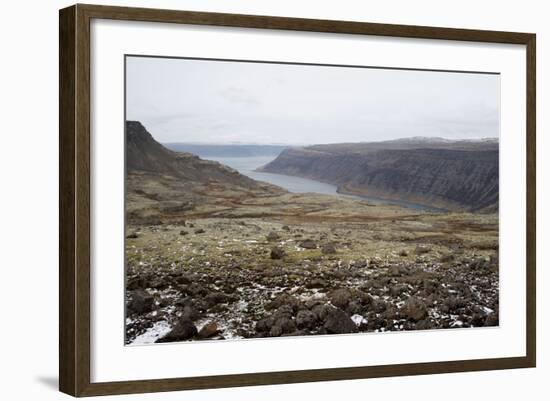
x: 248, y: 165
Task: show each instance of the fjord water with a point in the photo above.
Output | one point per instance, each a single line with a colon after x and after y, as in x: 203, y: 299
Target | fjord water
x: 248, y: 165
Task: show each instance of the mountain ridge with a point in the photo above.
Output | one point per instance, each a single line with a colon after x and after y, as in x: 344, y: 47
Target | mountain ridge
x: 163, y: 185
x: 461, y: 175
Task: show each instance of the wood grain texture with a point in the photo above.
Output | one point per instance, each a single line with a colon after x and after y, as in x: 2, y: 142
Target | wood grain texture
x: 531, y: 290
x: 67, y: 131
x: 74, y: 199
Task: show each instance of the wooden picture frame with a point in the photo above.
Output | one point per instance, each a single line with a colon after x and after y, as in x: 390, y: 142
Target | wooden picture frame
x: 74, y: 199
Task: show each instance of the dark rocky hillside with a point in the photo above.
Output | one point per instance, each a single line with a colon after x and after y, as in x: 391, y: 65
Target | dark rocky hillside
x: 163, y: 185
x: 144, y: 153
x: 456, y: 175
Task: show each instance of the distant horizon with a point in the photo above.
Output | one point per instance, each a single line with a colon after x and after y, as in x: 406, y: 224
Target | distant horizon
x: 326, y: 143
x: 238, y: 143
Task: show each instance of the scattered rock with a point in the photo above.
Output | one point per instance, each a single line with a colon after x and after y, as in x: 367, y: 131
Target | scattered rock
x: 492, y: 320
x: 284, y: 301
x: 286, y: 228
x: 195, y: 289
x: 141, y: 302
x: 277, y: 253
x: 321, y: 311
x: 209, y: 330
x: 422, y: 249
x: 132, y: 235
x: 398, y: 289
x: 403, y: 253
x: 183, y: 232
x: 430, y: 286
x: 316, y: 283
x: 452, y: 304
x: 273, y: 236
x: 191, y: 313
x: 215, y: 298
x: 340, y: 298
x: 283, y: 325
x: 183, y: 330
x: 479, y: 263
x: 338, y: 322
x: 328, y: 248
x: 306, y: 319
x: 424, y: 324
x: 354, y: 308
x: 414, y: 309
x: 264, y: 325
x: 308, y: 244
x: 199, y: 231
x: 183, y: 280
x: 397, y: 271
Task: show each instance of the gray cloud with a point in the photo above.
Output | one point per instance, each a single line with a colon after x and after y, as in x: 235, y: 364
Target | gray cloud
x: 182, y: 100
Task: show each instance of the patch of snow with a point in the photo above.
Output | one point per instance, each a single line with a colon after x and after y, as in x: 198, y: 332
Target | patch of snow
x: 151, y: 335
x: 358, y: 319
x: 487, y: 310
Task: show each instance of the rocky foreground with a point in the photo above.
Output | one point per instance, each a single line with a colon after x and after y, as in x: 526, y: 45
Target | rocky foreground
x: 212, y: 254
x: 249, y: 277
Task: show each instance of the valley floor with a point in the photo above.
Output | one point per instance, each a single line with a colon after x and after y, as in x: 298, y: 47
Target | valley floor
x: 305, y: 264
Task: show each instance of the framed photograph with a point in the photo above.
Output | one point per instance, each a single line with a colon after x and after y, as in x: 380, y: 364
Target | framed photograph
x: 250, y: 200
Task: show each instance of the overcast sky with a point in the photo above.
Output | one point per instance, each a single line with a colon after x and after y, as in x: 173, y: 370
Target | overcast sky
x: 203, y: 101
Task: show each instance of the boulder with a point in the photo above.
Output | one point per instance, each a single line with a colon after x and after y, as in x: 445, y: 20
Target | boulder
x: 183, y: 330
x: 308, y: 244
x: 414, y: 309
x: 277, y: 253
x: 338, y: 322
x: 321, y: 311
x: 209, y: 330
x: 328, y: 249
x: 422, y: 249
x: 424, y: 324
x: 183, y: 280
x: 316, y: 283
x: 398, y: 289
x: 273, y: 236
x: 397, y: 270
x: 283, y: 325
x: 141, y: 302
x: 191, y: 313
x: 306, y: 319
x: 215, y: 298
x: 284, y: 303
x: 340, y: 298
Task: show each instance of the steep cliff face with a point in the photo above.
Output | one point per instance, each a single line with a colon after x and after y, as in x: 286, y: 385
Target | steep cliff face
x: 453, y: 175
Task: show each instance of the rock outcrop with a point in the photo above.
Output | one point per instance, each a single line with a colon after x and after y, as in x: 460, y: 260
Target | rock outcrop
x: 455, y: 175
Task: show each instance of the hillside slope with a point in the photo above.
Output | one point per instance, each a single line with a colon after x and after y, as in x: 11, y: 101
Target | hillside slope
x: 163, y: 185
x: 144, y: 153
x: 456, y: 175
